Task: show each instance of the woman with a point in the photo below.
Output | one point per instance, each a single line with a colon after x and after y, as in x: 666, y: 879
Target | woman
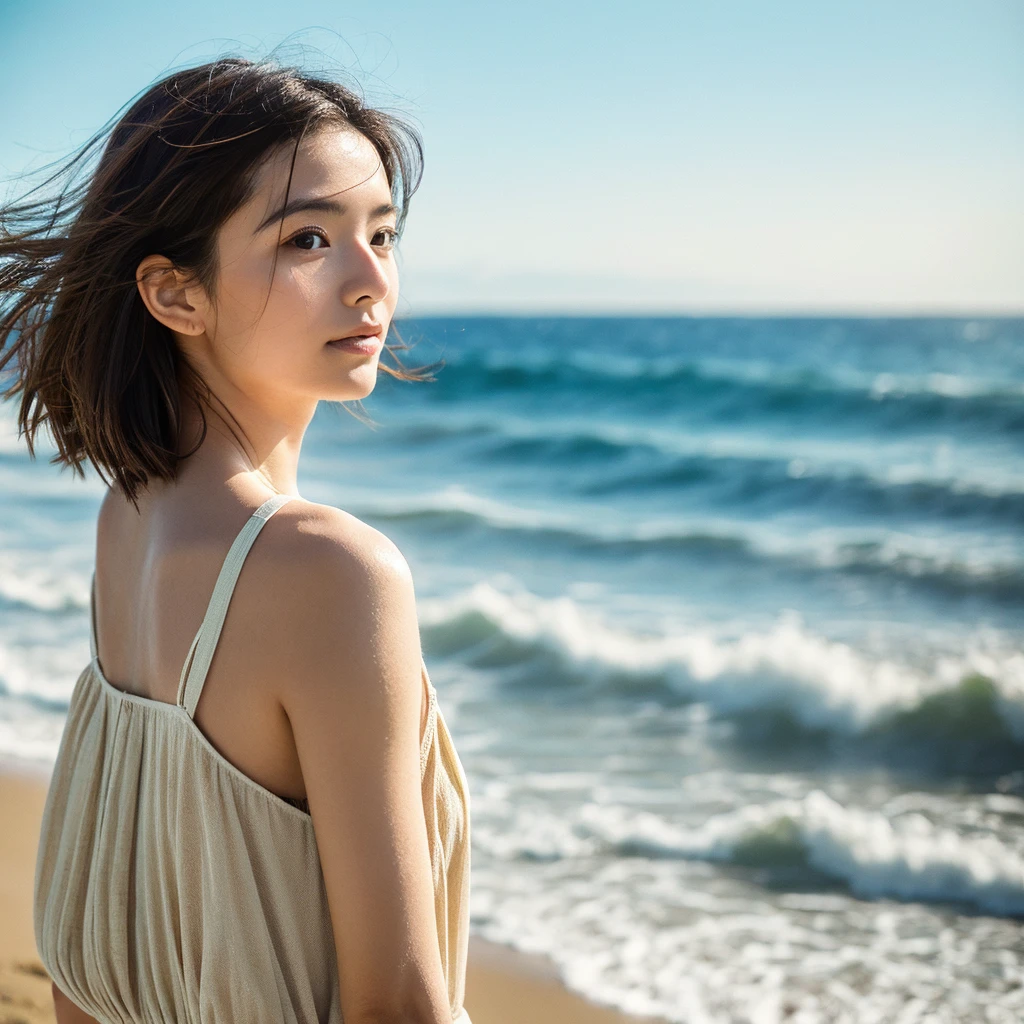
x: 293, y: 846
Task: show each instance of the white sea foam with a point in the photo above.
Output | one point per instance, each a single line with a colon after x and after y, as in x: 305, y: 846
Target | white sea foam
x: 822, y: 683
x: 42, y: 581
x: 669, y: 938
x: 907, y: 858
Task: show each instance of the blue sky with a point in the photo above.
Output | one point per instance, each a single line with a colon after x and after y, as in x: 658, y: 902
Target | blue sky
x: 642, y: 157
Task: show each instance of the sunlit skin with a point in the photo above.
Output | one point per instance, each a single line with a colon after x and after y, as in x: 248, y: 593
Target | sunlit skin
x: 334, y: 270
x: 267, y: 372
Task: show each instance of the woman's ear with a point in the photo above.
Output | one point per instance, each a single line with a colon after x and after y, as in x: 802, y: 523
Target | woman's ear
x: 173, y: 299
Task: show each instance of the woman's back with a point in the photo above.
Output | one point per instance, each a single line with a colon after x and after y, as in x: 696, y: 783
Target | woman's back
x: 155, y: 572
x: 178, y: 874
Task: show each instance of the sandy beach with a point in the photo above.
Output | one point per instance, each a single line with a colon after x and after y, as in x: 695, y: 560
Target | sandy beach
x: 502, y: 986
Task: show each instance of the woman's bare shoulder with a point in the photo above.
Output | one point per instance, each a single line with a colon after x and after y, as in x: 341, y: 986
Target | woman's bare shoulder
x: 318, y: 545
x: 339, y: 592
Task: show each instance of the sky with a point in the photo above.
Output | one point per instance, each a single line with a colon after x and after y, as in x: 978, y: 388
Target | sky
x: 639, y: 157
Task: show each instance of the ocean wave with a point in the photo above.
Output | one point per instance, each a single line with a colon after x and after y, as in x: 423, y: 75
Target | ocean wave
x: 778, y: 480
x: 908, y: 859
x: 746, y: 387
x: 775, y: 686
x: 943, y: 565
x: 808, y: 840
x: 538, y: 363
x: 641, y: 456
x: 36, y: 584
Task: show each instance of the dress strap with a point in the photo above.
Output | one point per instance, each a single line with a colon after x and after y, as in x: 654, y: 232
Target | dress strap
x: 200, y: 654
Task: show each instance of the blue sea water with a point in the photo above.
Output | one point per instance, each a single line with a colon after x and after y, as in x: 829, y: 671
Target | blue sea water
x: 725, y: 615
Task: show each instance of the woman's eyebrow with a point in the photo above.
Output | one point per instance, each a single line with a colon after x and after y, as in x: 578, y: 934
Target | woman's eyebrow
x: 325, y: 205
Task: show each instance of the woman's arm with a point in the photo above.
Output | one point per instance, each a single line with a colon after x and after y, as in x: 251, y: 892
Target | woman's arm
x: 351, y: 683
x: 67, y: 1012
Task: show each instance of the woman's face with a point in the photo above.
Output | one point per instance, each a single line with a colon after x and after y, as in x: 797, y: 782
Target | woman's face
x: 336, y: 272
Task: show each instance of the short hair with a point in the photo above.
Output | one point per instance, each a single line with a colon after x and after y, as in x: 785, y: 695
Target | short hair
x: 90, y: 359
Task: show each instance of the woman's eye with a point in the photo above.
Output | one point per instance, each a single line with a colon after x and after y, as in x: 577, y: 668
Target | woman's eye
x: 303, y: 240
x: 307, y: 233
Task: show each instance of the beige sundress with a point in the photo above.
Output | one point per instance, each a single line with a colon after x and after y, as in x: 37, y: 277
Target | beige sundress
x: 171, y: 887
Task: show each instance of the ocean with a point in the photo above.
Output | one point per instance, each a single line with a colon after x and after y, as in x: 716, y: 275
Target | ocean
x: 725, y: 618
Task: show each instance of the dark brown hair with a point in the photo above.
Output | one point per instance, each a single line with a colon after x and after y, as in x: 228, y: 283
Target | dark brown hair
x: 90, y: 357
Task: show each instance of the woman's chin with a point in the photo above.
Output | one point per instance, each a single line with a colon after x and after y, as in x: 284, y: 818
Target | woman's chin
x: 358, y: 384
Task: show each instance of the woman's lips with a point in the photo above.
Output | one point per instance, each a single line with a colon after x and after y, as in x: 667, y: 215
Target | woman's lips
x: 367, y: 344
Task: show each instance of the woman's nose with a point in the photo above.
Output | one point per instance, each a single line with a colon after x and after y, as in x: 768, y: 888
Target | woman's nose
x: 365, y: 276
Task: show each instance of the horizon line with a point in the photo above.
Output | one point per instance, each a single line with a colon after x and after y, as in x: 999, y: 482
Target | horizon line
x: 724, y: 313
